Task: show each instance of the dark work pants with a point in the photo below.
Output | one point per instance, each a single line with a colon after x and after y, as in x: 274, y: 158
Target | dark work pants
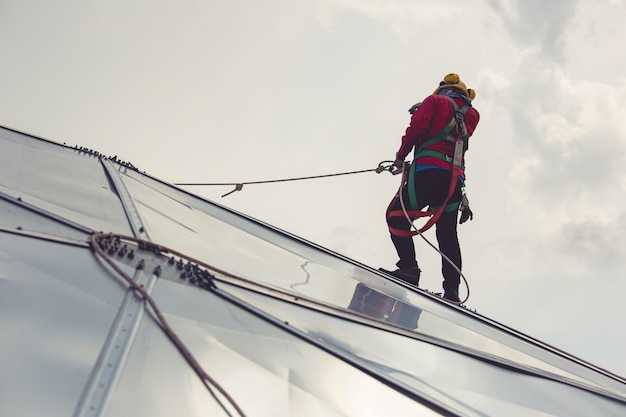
x: 431, y: 189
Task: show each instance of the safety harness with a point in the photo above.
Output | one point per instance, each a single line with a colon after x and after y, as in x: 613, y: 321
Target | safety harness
x: 460, y: 140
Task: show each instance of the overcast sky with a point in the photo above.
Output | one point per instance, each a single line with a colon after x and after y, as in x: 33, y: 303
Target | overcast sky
x: 248, y: 90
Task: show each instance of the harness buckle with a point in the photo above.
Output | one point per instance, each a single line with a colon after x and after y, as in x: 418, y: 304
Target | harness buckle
x: 397, y: 170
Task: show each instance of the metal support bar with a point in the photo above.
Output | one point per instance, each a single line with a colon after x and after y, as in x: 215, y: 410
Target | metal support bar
x: 115, y: 351
x: 18, y: 201
x: 134, y: 218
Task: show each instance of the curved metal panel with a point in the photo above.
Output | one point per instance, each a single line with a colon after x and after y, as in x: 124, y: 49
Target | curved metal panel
x: 283, y: 326
x: 268, y: 371
x: 16, y: 215
x: 251, y: 250
x: 56, y: 307
x: 63, y: 181
x: 448, y: 373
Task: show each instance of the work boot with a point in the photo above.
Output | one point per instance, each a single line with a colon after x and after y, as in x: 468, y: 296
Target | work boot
x: 452, y: 296
x: 410, y: 275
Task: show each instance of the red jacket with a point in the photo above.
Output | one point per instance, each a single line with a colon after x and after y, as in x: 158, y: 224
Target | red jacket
x: 427, y: 121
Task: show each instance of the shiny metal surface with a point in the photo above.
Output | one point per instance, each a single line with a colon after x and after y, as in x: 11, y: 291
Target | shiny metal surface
x: 431, y: 367
x: 18, y: 215
x: 280, y: 326
x: 66, y: 182
x: 56, y: 308
x: 290, y: 265
x: 269, y: 371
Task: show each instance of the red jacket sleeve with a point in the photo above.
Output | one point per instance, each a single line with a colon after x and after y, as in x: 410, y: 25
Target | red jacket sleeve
x: 418, y: 126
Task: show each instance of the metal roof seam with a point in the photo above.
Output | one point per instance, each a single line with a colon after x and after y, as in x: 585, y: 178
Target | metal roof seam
x: 134, y: 218
x: 45, y: 236
x: 19, y: 201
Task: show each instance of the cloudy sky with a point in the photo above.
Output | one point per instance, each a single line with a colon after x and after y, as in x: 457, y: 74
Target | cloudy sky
x: 248, y: 90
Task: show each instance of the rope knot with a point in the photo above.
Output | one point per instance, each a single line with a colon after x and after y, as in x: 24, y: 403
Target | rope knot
x: 238, y: 187
x: 384, y: 166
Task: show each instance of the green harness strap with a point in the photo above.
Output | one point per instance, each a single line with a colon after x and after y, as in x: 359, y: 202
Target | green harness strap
x: 459, y: 114
x: 448, y: 207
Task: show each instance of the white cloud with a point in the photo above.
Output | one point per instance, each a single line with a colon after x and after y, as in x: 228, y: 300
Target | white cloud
x: 574, y: 137
x: 537, y: 23
x: 407, y: 18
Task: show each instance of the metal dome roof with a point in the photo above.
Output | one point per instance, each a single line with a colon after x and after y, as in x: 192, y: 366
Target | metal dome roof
x: 122, y: 295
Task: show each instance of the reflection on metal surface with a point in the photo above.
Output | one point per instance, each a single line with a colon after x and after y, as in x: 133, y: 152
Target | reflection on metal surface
x: 306, y: 280
x: 376, y: 304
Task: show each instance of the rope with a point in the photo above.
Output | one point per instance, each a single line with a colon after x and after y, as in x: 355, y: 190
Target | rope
x: 420, y: 234
x: 206, y: 379
x: 382, y: 166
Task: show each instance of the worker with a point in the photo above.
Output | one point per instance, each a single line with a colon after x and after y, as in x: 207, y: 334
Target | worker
x: 437, y: 123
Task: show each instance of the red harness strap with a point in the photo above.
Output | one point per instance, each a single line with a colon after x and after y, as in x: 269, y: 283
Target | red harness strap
x: 434, y: 214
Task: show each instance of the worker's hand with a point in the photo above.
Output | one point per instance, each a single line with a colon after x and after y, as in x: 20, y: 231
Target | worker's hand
x: 398, y: 163
x: 397, y: 166
x: 466, y: 214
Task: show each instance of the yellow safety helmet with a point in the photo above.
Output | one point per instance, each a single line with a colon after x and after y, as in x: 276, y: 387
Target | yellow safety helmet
x: 453, y: 80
